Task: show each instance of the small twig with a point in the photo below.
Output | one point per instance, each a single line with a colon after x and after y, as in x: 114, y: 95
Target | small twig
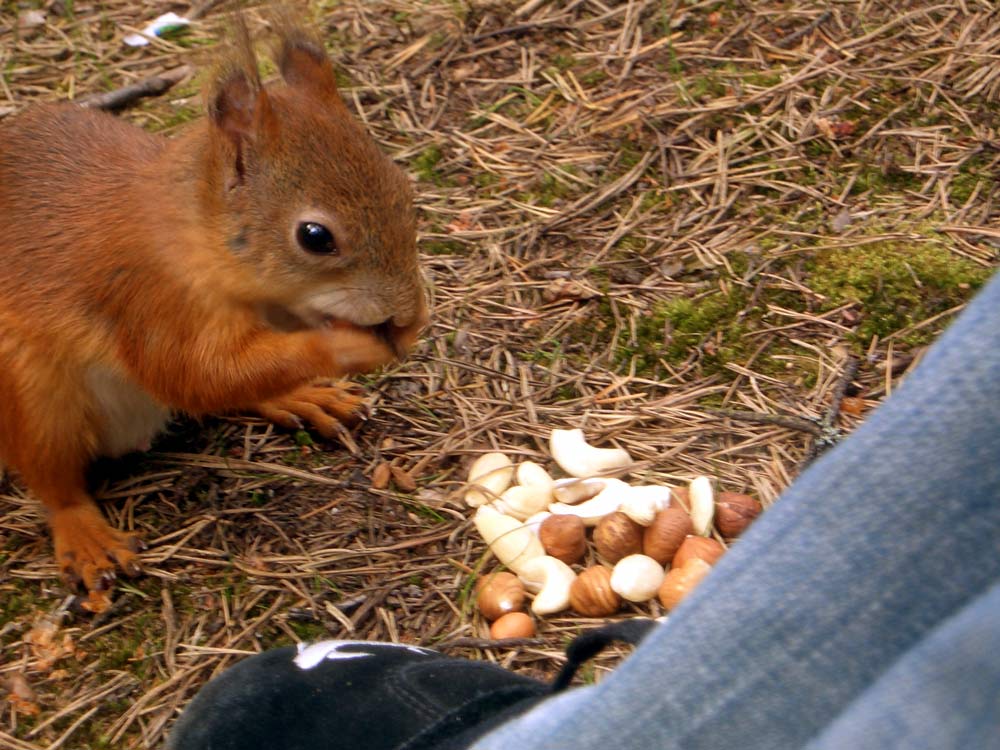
x: 202, y: 9
x: 487, y: 643
x: 840, y: 390
x: 153, y: 86
x: 795, y: 36
x: 824, y: 431
x: 519, y: 29
x: 781, y: 420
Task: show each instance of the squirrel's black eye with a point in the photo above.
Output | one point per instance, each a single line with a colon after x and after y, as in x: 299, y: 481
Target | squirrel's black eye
x: 315, y: 238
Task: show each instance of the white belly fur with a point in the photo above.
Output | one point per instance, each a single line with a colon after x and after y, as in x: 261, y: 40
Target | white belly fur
x: 130, y: 417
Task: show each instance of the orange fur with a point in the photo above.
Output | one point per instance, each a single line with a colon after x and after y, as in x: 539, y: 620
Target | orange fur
x: 140, y: 274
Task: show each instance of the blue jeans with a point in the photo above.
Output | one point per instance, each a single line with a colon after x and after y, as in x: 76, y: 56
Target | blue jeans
x: 862, y: 610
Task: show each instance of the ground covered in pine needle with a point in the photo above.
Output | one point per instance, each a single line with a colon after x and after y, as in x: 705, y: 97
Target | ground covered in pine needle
x: 689, y: 228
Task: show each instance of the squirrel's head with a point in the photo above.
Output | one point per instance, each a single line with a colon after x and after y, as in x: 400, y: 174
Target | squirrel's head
x: 324, y: 219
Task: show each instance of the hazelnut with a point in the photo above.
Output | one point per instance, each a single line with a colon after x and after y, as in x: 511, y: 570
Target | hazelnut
x: 701, y: 547
x: 591, y: 593
x: 679, y: 582
x: 564, y: 538
x: 617, y: 536
x: 679, y: 498
x: 513, y: 625
x: 734, y: 512
x: 499, y: 594
x: 664, y: 536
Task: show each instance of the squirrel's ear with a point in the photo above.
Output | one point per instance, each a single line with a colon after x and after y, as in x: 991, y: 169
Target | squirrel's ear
x: 304, y: 63
x: 233, y: 103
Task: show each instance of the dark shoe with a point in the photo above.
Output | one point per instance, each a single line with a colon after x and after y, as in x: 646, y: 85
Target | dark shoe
x: 365, y: 695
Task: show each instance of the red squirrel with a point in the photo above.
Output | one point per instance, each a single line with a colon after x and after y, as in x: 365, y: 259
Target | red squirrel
x: 270, y: 246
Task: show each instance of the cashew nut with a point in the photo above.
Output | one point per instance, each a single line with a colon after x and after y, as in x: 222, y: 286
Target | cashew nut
x: 535, y: 522
x: 489, y: 475
x: 606, y: 501
x: 572, y: 490
x: 579, y: 459
x: 513, y: 543
x: 550, y: 579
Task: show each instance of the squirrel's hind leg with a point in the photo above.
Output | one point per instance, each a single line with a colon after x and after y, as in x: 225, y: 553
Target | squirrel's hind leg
x: 49, y: 434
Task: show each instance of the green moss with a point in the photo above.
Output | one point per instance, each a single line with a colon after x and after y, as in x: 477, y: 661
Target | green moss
x: 442, y: 247
x: 425, y: 165
x: 563, y: 62
x: 308, y: 630
x: 880, y: 180
x: 677, y: 327
x: 896, y: 283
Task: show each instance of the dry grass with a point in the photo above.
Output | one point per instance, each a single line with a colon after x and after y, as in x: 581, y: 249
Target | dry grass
x: 581, y: 166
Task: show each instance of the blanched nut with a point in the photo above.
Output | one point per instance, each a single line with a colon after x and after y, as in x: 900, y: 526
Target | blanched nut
x: 551, y: 580
x: 702, y: 507
x: 577, y: 458
x: 511, y: 541
x: 644, y: 501
x: 524, y: 500
x: 530, y: 474
x: 591, y: 511
x: 637, y: 578
x: 489, y: 476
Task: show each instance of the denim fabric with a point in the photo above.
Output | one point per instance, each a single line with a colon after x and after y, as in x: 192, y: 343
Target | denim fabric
x: 860, y: 579
x: 925, y: 701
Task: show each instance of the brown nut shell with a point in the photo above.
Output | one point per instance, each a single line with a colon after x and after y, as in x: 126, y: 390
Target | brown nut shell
x: 679, y: 498
x: 734, y: 512
x: 617, y: 536
x: 679, y: 582
x: 513, y: 625
x: 498, y: 594
x: 591, y: 594
x: 701, y: 547
x: 662, y: 538
x: 564, y: 537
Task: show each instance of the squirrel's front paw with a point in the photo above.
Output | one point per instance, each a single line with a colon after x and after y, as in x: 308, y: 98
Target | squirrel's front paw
x: 88, y: 550
x: 327, y: 408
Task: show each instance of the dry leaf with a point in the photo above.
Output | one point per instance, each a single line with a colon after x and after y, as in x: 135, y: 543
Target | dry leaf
x: 568, y: 289
x: 403, y: 479
x: 380, y: 476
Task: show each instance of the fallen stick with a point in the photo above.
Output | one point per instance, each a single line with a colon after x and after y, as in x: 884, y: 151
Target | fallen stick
x: 153, y: 86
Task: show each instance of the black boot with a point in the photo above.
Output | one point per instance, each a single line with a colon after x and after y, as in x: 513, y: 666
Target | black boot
x: 365, y: 695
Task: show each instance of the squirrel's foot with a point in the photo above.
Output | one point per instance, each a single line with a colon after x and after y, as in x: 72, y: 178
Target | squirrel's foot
x: 327, y: 408
x: 88, y: 550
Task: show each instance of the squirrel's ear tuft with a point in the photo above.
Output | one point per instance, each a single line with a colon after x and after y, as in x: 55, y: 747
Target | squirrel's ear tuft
x: 303, y: 62
x: 237, y: 102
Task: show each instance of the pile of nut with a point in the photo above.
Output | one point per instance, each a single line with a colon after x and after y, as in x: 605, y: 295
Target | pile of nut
x: 652, y: 541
